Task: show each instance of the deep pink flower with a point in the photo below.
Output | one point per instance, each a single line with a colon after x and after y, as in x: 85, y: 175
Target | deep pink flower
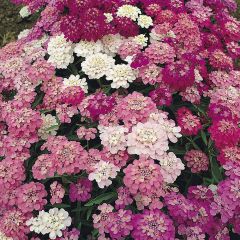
x: 225, y: 132
x: 126, y: 27
x: 73, y: 95
x: 179, y: 75
x: 153, y: 225
x: 178, y: 206
x: 139, y: 61
x: 100, y: 104
x: 196, y: 160
x: 189, y: 123
x: 161, y: 96
x: 81, y: 191
x: 229, y: 153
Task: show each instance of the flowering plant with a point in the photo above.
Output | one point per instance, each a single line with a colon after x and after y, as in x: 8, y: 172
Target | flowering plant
x: 120, y: 120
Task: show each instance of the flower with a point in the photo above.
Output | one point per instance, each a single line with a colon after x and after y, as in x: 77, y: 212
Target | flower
x: 86, y: 133
x: 24, y: 12
x: 160, y: 53
x: 134, y: 108
x: 143, y: 176
x: 103, y: 171
x: 189, y: 123
x: 225, y: 132
x: 121, y: 75
x: 153, y: 224
x: 149, y: 139
x: 179, y: 75
x: 128, y: 11
x: 86, y: 48
x: 60, y: 51
x: 49, y: 126
x: 141, y: 39
x: 114, y: 138
x: 196, y: 160
x: 100, y: 104
x: 4, y: 237
x: 76, y: 81
x: 81, y: 191
x: 124, y: 198
x: 171, y: 167
x: 52, y: 222
x: 30, y: 196
x: 101, y: 220
x: 145, y: 21
x: 13, y: 224
x: 121, y: 224
x: 57, y: 192
x: 151, y: 74
x: 97, y: 65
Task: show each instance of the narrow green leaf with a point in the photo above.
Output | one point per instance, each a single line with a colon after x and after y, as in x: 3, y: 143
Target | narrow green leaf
x: 204, y: 138
x: 89, y: 212
x: 101, y: 198
x: 215, y: 169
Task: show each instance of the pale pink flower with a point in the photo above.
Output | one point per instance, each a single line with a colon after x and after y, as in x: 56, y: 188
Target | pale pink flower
x: 114, y: 138
x: 103, y: 172
x: 148, y: 138
x: 171, y: 167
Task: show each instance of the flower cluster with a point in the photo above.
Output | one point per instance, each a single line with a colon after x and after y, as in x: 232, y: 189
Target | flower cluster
x: 120, y: 120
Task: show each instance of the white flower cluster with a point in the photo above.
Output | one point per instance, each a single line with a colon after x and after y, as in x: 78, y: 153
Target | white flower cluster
x: 60, y: 51
x: 75, y: 80
x: 85, y: 48
x: 24, y: 12
x: 103, y: 172
x: 145, y: 21
x: 128, y: 11
x: 141, y: 40
x: 134, y: 13
x: 23, y: 33
x: 49, y: 126
x: 121, y: 75
x: 52, y: 222
x: 97, y: 65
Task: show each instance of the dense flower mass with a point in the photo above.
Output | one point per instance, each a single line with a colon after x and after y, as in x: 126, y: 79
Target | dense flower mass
x: 119, y: 119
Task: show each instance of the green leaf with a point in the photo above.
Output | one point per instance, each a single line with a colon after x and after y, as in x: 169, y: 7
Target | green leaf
x: 89, y: 212
x: 101, y: 198
x: 216, y: 170
x: 204, y: 138
x: 38, y: 100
